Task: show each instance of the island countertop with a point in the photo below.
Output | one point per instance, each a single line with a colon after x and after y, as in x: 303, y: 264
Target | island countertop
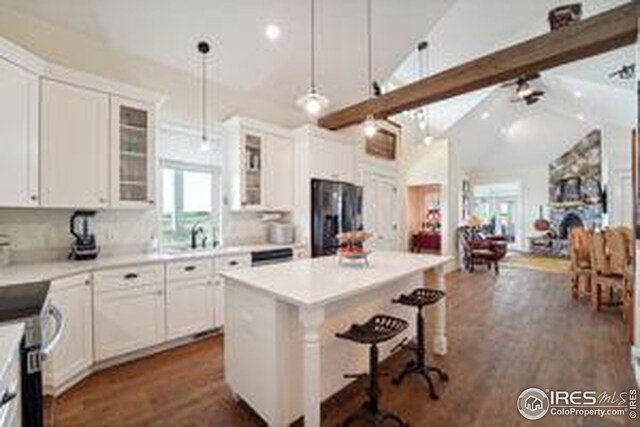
x: 320, y: 281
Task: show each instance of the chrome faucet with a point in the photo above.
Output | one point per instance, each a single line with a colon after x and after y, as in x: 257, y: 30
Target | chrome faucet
x: 196, y: 230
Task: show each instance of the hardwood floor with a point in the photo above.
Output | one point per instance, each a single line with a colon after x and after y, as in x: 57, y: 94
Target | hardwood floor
x: 506, y: 334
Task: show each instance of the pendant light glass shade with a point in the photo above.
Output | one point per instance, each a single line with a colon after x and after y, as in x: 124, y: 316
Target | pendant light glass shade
x: 370, y: 127
x: 312, y: 102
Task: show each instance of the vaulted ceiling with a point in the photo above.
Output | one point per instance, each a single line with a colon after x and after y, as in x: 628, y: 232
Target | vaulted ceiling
x: 167, y: 31
x: 498, y: 134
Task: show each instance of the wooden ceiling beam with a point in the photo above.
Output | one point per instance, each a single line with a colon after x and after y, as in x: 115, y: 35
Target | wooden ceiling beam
x: 610, y: 30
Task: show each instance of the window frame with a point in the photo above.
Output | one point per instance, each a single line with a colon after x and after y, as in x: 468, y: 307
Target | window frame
x: 215, y: 171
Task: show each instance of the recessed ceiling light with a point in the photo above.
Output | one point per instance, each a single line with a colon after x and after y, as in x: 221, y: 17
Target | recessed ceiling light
x: 485, y: 115
x: 577, y: 94
x: 580, y: 117
x: 272, y: 32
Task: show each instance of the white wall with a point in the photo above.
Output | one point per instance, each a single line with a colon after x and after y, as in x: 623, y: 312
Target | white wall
x: 616, y: 171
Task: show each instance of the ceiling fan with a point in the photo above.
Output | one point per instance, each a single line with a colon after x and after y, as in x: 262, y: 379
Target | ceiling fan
x: 524, y: 91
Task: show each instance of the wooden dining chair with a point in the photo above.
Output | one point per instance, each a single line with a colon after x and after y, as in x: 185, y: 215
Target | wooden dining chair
x: 580, y: 241
x: 610, y: 266
x: 621, y: 253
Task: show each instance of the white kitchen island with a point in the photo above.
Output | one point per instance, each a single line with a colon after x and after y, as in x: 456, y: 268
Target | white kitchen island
x: 281, y: 354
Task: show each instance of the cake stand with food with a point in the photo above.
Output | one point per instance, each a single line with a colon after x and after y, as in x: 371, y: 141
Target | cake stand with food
x: 352, y: 248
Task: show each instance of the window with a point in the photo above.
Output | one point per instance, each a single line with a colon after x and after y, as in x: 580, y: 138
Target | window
x: 191, y: 188
x: 498, y: 204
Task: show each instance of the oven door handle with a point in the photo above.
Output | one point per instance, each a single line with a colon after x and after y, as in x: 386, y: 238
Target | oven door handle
x: 58, y: 317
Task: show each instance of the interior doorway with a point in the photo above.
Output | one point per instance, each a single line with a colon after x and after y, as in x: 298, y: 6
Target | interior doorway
x: 425, y: 218
x: 499, y: 207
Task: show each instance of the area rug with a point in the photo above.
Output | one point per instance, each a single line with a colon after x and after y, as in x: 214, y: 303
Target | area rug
x: 536, y: 262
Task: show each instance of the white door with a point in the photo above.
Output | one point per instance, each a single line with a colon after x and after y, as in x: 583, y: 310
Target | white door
x: 277, y: 175
x: 190, y: 307
x: 128, y: 320
x: 74, y: 352
x: 74, y: 146
x: 380, y: 210
x: 19, y: 103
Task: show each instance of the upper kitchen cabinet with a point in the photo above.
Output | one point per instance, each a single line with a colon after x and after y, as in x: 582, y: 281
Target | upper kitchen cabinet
x: 324, y: 154
x: 74, y: 146
x: 260, y: 162
x: 133, y: 160
x: 19, y: 103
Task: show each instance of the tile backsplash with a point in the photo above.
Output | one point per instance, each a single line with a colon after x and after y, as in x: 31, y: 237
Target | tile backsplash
x: 43, y: 234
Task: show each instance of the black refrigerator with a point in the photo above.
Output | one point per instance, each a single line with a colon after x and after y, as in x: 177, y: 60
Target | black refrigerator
x: 336, y: 207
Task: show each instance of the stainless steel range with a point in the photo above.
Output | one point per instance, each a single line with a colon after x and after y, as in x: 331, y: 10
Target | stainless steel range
x: 43, y: 321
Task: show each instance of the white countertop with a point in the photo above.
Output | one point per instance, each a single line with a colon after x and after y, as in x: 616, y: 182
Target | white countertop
x: 10, y: 336
x: 25, y: 273
x: 320, y: 281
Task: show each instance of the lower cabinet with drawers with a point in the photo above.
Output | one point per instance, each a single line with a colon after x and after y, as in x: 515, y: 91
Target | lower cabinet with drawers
x: 229, y: 262
x: 129, y: 310
x: 117, y: 312
x: 190, y: 297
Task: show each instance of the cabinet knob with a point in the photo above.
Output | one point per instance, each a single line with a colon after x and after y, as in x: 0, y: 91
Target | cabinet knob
x: 102, y: 200
x: 34, y: 197
x: 87, y: 282
x: 152, y: 202
x: 159, y: 292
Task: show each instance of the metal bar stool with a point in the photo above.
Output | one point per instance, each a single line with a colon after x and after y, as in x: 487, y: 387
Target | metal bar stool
x: 420, y: 298
x: 378, y: 329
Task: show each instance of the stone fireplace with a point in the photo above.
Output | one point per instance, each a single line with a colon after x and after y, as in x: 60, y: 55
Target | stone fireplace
x: 575, y: 190
x: 569, y: 221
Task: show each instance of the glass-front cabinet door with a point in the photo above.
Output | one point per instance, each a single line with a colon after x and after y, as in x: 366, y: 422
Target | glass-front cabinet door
x: 133, y: 153
x: 251, y: 174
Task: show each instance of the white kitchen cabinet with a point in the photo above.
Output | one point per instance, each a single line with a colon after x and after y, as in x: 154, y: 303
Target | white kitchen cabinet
x: 260, y: 166
x: 319, y: 154
x: 332, y: 159
x: 133, y: 148
x: 19, y: 105
x: 190, y: 298
x: 129, y: 310
x: 229, y: 262
x: 74, y: 148
x: 277, y: 173
x: 73, y: 356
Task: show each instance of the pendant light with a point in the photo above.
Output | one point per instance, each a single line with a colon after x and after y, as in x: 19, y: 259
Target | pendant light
x: 312, y: 102
x: 204, y: 48
x: 423, y: 113
x: 370, y: 127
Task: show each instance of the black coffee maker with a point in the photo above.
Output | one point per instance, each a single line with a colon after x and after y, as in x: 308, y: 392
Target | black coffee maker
x: 81, y: 227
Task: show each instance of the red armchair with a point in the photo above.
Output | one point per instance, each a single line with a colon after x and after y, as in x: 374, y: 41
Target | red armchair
x: 479, y: 249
